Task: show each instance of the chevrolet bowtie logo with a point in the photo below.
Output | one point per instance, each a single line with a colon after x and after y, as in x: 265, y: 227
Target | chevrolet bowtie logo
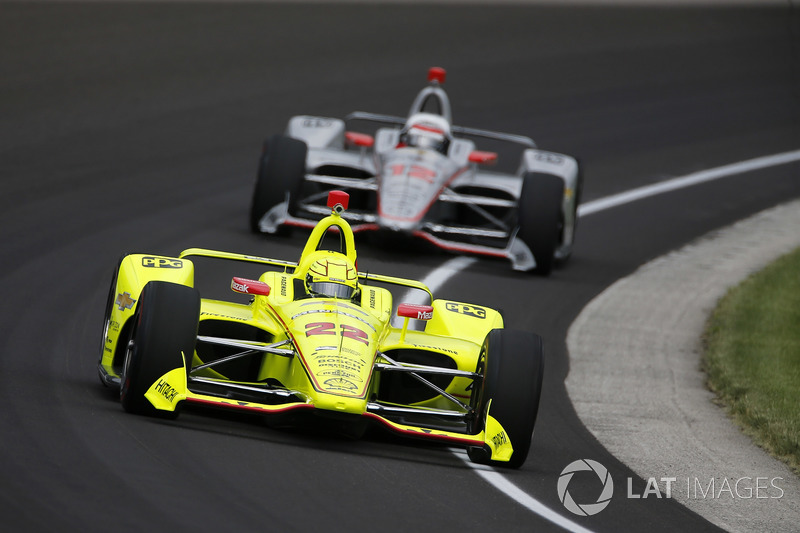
x: 124, y: 301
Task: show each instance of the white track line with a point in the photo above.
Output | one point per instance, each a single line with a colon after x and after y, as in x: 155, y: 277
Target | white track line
x: 696, y: 178
x: 438, y: 277
x: 501, y: 483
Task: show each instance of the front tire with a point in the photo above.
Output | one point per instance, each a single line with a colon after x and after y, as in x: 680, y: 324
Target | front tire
x: 512, y: 363
x: 164, y: 330
x: 281, y: 170
x: 105, y: 377
x: 540, y: 218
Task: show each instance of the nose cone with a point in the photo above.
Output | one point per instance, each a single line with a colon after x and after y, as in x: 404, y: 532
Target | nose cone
x: 340, y: 404
x: 400, y: 225
x: 404, y: 200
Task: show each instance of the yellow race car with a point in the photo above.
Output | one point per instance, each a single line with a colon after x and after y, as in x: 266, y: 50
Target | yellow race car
x: 316, y: 343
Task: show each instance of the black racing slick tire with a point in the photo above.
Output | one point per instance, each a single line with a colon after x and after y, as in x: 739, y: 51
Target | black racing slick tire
x: 281, y: 170
x: 105, y: 378
x: 512, y: 363
x: 164, y: 329
x: 561, y: 261
x: 540, y: 218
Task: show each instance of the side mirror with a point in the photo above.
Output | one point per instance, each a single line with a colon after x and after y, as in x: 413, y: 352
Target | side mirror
x: 420, y: 312
x: 408, y: 311
x: 249, y: 286
x: 482, y: 158
x: 359, y: 139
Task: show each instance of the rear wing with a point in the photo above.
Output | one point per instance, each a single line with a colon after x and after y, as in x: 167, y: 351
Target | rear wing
x: 459, y: 130
x: 291, y: 265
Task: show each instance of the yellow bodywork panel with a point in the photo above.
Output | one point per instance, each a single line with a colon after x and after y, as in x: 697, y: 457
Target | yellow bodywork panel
x: 168, y: 390
x: 135, y: 271
x: 497, y: 439
x: 464, y: 321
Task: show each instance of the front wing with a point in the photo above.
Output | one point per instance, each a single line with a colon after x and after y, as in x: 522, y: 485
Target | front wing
x: 452, y: 238
x: 170, y: 390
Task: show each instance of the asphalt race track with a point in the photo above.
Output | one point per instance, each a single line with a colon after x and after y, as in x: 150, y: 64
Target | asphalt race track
x: 137, y: 127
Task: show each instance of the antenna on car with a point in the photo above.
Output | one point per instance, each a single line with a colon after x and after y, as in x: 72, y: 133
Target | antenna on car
x: 338, y: 201
x: 437, y: 75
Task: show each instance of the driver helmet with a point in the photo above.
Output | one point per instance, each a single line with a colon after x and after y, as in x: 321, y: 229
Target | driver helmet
x: 426, y: 131
x: 332, y: 277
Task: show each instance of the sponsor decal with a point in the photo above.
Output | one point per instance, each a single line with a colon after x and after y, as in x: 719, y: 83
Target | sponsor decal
x: 500, y: 439
x: 372, y: 303
x: 341, y: 349
x: 317, y: 123
x: 435, y: 348
x: 284, y: 286
x: 161, y: 262
x: 414, y: 171
x: 339, y: 363
x: 340, y: 384
x: 466, y: 309
x: 249, y: 286
x: 424, y: 315
x: 206, y: 313
x: 124, y: 301
x: 550, y: 158
x: 341, y: 374
x: 239, y: 287
x: 166, y: 390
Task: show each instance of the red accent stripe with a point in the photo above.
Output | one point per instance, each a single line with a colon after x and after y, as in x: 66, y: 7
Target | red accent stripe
x: 365, y: 227
x: 251, y: 408
x: 463, y: 441
x: 424, y: 127
x: 299, y: 223
x: 455, y: 247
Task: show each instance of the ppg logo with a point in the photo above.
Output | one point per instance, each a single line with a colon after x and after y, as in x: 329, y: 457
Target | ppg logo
x: 547, y: 157
x: 585, y: 509
x: 464, y: 309
x: 161, y: 262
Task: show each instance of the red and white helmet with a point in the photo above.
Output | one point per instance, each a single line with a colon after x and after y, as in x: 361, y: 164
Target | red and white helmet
x: 426, y: 131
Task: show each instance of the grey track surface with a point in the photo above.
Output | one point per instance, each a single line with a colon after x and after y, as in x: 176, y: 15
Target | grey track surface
x: 137, y: 127
x: 636, y: 383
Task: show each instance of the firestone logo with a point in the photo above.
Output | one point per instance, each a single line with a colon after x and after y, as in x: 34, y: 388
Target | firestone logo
x: 585, y: 509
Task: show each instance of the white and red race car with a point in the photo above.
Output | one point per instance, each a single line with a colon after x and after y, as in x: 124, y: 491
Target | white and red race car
x: 422, y: 176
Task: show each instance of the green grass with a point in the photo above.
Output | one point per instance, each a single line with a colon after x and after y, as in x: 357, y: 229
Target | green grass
x: 752, y: 357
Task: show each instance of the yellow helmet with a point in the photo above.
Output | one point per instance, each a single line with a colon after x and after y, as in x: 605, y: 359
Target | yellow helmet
x: 333, y: 277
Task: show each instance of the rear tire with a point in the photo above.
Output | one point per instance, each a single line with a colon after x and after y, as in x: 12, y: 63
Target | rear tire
x: 512, y: 363
x: 540, y: 219
x: 165, y: 328
x: 562, y: 260
x: 282, y: 169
